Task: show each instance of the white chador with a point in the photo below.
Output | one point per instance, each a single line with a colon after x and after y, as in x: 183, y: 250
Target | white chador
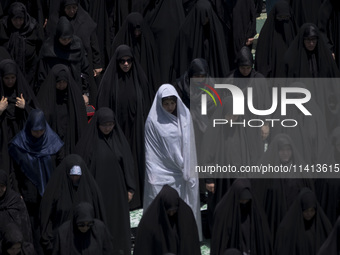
x: 171, y: 153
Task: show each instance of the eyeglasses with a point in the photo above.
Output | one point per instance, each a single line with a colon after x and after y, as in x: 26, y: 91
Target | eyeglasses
x: 83, y: 224
x: 122, y: 61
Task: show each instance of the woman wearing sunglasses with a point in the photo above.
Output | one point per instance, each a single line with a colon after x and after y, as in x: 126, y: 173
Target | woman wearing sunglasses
x: 125, y: 90
x: 83, y: 234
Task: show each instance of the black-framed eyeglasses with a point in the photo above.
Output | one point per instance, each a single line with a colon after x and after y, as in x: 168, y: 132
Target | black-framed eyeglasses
x: 123, y: 61
x: 83, y: 224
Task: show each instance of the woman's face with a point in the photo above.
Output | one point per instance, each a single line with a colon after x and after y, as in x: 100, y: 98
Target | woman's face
x: 244, y: 201
x: 84, y: 226
x: 310, y: 43
x: 65, y: 41
x: 125, y: 63
x: 9, y: 80
x: 169, y: 105
x: 2, y: 190
x: 61, y: 85
x: 137, y: 32
x: 285, y: 153
x: 199, y: 78
x: 37, y: 133
x: 17, y: 22
x: 171, y: 212
x: 75, y: 179
x: 15, y: 249
x: 71, y: 10
x: 309, y: 213
x: 245, y: 70
x: 106, y: 127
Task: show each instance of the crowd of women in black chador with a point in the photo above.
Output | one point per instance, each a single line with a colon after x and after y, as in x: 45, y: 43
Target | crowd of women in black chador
x: 67, y: 186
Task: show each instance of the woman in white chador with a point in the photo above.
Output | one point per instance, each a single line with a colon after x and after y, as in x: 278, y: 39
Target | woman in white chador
x: 170, y: 151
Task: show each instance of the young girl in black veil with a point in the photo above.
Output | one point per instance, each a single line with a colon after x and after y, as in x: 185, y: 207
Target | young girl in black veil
x: 13, y: 242
x: 83, y: 234
x: 107, y: 153
x: 244, y: 69
x: 63, y: 105
x: 310, y: 134
x: 34, y: 149
x: 16, y: 101
x: 22, y: 36
x: 277, y: 33
x: 70, y: 184
x: 277, y: 194
x: 124, y: 88
x: 244, y: 77
x: 304, y: 228
x: 240, y: 222
x: 198, y: 69
x: 167, y: 227
x: 239, y: 17
x: 136, y: 33
x: 64, y: 47
x: 36, y: 9
x: 164, y: 18
x: 309, y: 56
x: 202, y: 35
x: 84, y: 28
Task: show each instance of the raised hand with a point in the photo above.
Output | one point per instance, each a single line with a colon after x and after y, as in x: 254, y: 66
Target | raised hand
x: 3, y: 104
x: 20, y: 103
